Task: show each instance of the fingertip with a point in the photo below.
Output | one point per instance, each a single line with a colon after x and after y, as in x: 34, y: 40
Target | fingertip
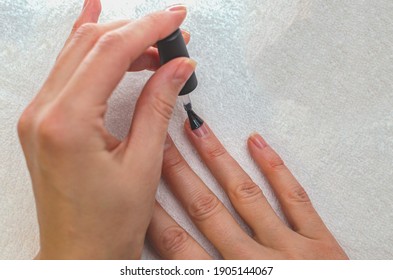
x: 186, y: 66
x: 150, y: 61
x: 176, y: 14
x: 178, y: 10
x: 94, y: 9
x: 186, y: 36
x: 257, y: 141
x: 154, y: 64
x: 90, y: 13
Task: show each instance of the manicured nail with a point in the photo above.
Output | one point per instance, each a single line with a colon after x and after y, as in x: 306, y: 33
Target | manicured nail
x: 176, y: 8
x: 258, y: 141
x: 185, y: 70
x: 201, y: 131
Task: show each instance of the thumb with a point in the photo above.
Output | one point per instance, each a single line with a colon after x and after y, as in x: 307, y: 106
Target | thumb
x: 155, y: 106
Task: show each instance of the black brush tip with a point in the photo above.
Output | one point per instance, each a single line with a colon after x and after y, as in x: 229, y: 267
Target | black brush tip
x: 195, y: 121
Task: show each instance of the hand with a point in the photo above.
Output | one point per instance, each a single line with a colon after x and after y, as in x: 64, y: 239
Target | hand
x: 306, y: 238
x: 95, y: 194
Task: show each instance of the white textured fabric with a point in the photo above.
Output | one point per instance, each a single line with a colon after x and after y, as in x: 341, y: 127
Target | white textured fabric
x: 314, y: 77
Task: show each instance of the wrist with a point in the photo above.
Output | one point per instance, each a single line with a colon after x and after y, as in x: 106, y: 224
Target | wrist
x: 91, y: 251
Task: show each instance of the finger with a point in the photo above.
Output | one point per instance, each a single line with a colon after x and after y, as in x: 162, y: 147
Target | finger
x: 79, y: 46
x: 204, y: 208
x: 245, y: 195
x: 186, y: 37
x: 83, y: 41
x: 114, y: 52
x: 291, y: 195
x: 71, y: 57
x: 90, y: 14
x: 149, y: 60
x: 153, y: 111
x: 171, y: 241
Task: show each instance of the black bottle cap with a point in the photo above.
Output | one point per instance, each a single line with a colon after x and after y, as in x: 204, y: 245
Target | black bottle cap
x: 173, y: 47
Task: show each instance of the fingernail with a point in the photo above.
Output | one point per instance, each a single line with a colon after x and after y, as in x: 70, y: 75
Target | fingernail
x: 185, y: 32
x: 176, y: 8
x: 185, y: 70
x: 202, y: 131
x: 258, y: 141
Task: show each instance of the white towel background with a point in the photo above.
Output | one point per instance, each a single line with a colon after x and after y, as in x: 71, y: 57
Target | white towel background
x: 314, y: 77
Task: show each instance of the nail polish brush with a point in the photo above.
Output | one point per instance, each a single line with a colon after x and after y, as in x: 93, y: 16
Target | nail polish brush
x: 173, y: 47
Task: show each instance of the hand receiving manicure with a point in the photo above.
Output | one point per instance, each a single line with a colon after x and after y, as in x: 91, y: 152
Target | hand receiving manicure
x: 306, y: 238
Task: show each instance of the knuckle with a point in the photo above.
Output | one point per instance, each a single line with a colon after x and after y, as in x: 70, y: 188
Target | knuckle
x: 50, y: 130
x: 204, y: 207
x: 174, y: 240
x: 25, y: 122
x: 298, y: 194
x: 111, y: 40
x: 276, y: 163
x: 215, y: 151
x: 174, y: 164
x: 246, y: 192
x: 86, y: 31
x: 153, y: 20
x: 162, y: 107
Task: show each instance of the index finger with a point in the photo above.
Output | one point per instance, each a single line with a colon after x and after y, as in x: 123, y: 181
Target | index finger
x: 115, y: 51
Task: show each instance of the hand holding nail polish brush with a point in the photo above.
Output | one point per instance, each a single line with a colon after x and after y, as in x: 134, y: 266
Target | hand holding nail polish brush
x: 173, y: 47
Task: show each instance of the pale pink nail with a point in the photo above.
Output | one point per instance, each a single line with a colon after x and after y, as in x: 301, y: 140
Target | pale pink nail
x: 176, y: 8
x: 258, y: 141
x: 202, y: 131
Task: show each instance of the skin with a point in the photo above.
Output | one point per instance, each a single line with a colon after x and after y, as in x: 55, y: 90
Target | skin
x: 306, y: 237
x: 95, y: 194
x: 94, y: 197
